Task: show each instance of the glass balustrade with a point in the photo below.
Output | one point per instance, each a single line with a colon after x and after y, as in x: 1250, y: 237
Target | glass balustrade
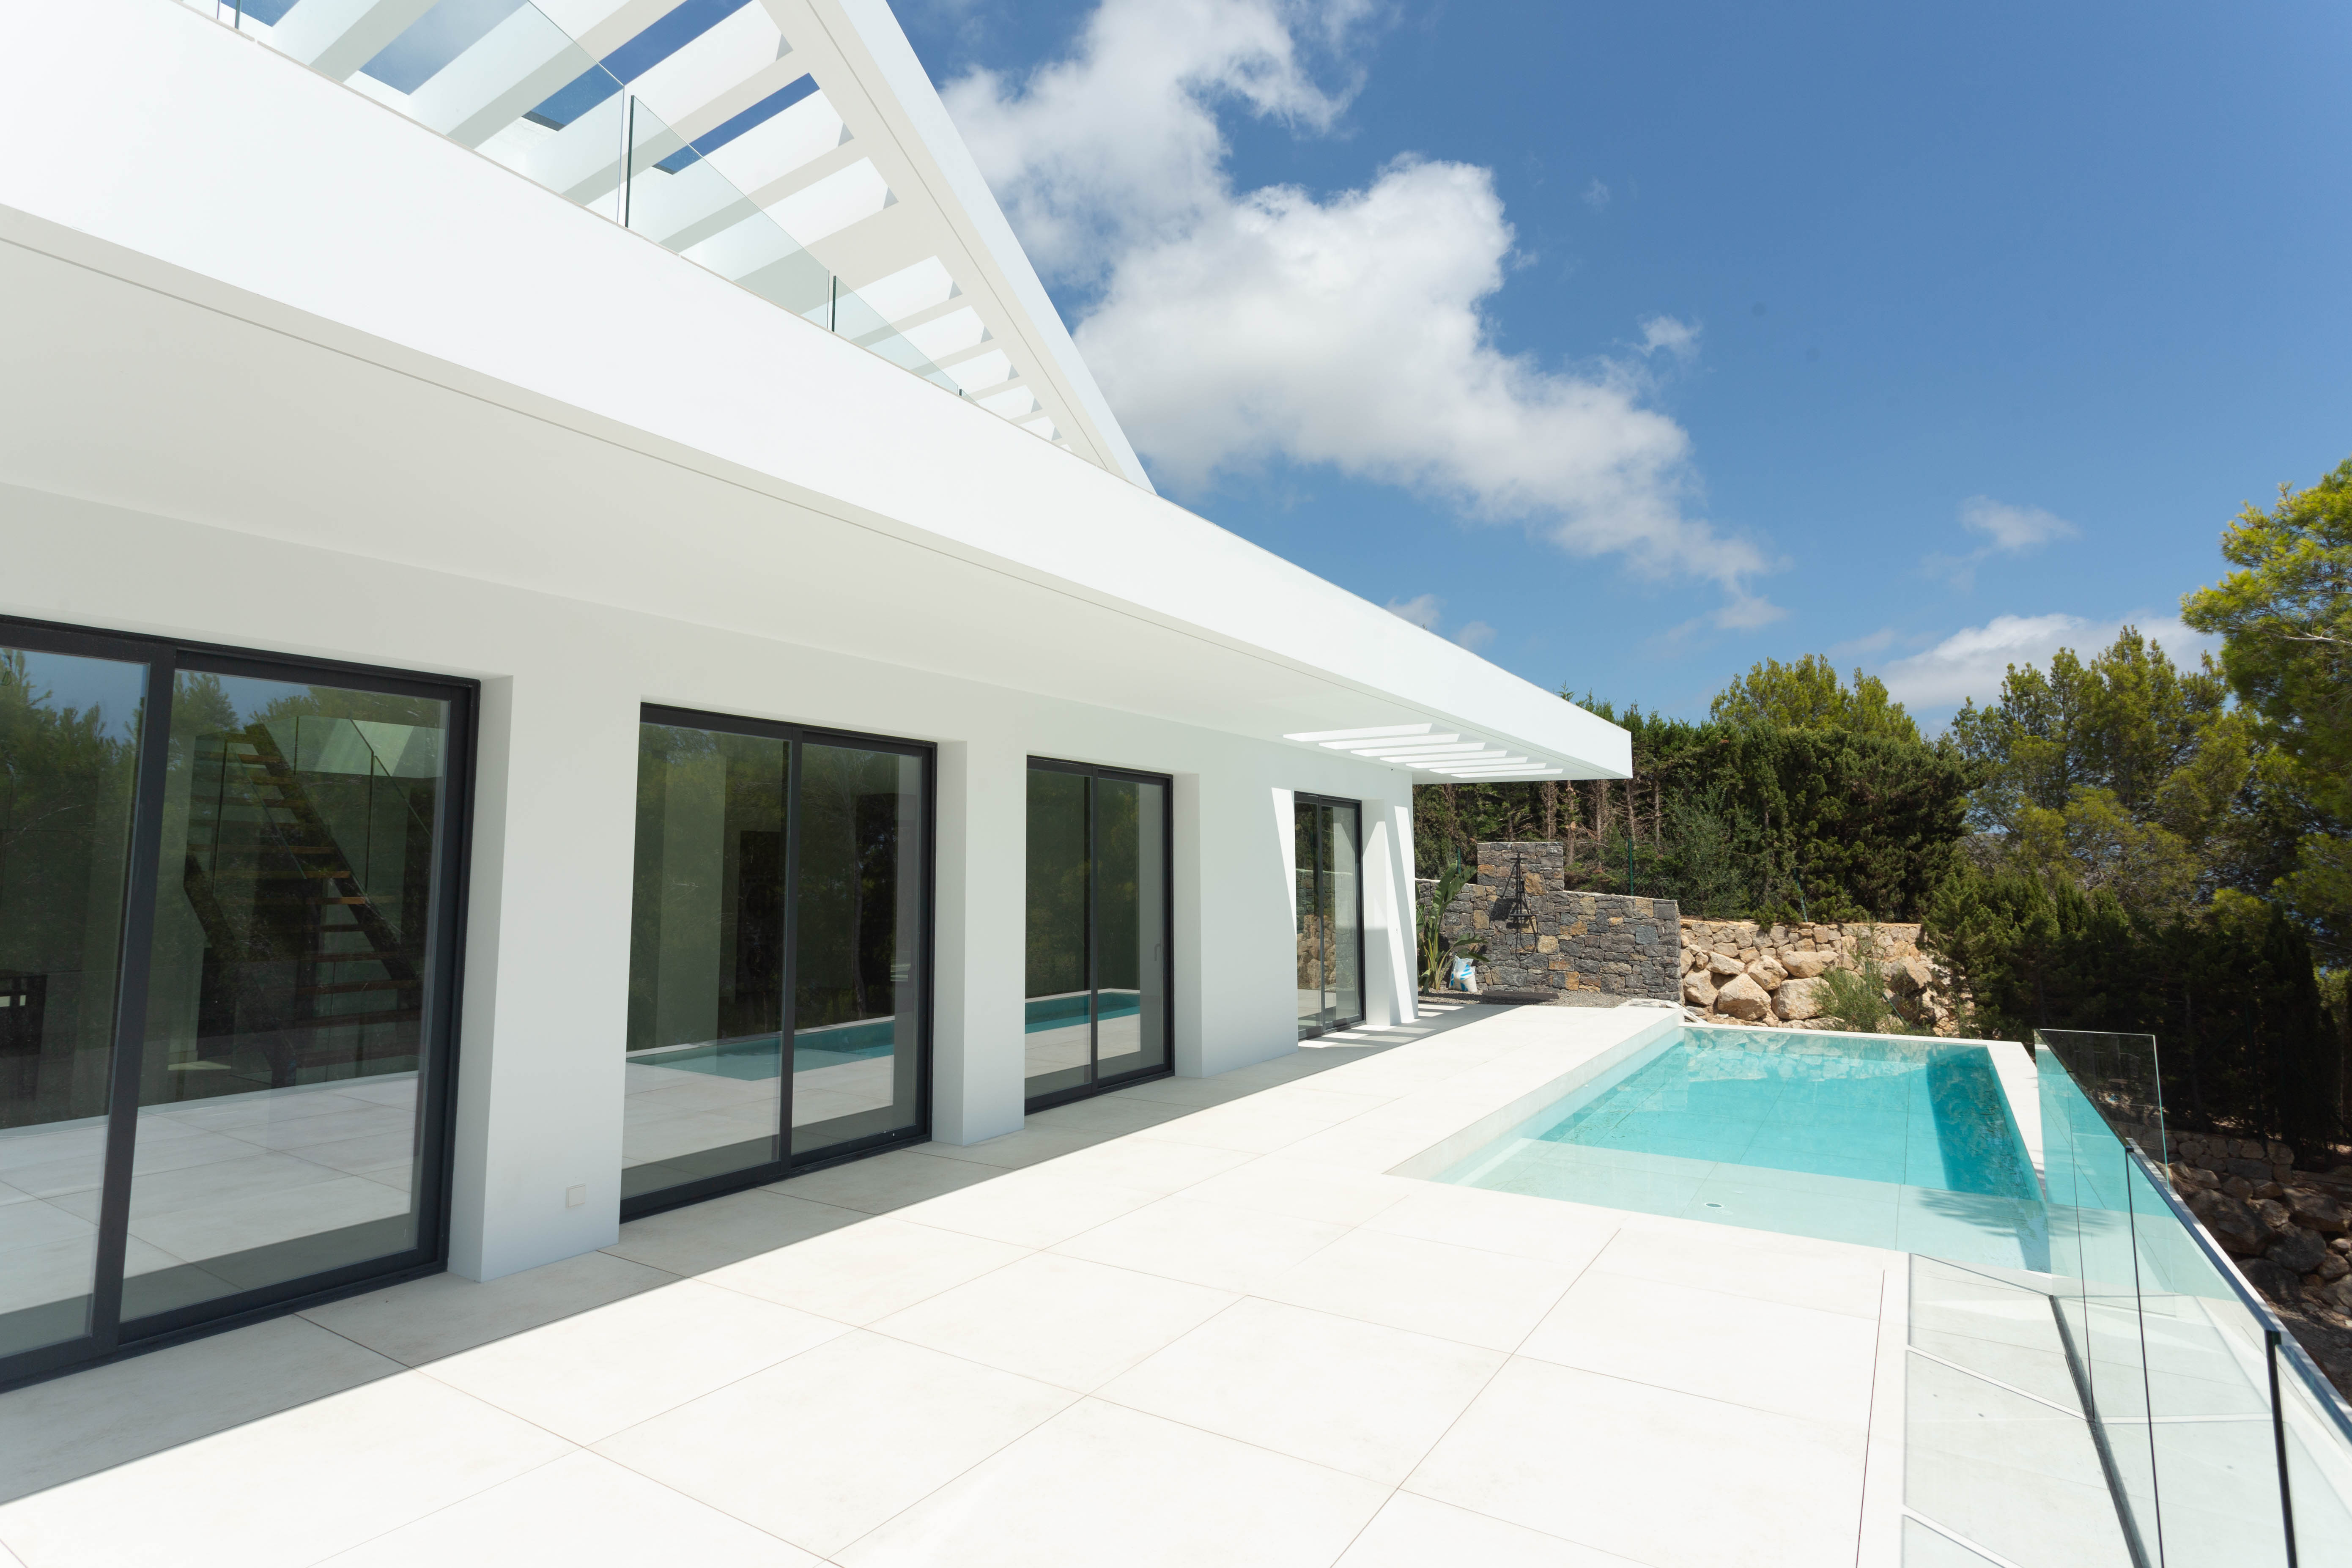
x: 506, y: 80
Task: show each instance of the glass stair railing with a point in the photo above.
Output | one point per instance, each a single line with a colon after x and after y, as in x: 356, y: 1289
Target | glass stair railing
x: 502, y: 77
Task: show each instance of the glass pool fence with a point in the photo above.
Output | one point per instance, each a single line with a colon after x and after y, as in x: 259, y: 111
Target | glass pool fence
x: 2212, y: 1438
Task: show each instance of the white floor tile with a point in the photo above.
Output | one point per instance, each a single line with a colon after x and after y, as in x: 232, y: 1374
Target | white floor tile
x: 826, y: 1445
x: 702, y: 1236
x: 1666, y: 1479
x: 1030, y: 1146
x: 582, y: 1511
x: 597, y: 1372
x: 53, y: 1432
x: 1206, y: 1244
x: 1153, y: 1165
x: 1101, y: 1486
x: 1501, y: 1222
x: 1030, y: 1208
x: 1059, y: 1320
x: 1793, y: 1360
x: 1305, y: 1383
x: 867, y: 1271
x: 1276, y: 1185
x: 424, y: 1319
x: 1412, y: 1531
x: 285, y: 1490
x: 1485, y: 1298
x: 1720, y: 1258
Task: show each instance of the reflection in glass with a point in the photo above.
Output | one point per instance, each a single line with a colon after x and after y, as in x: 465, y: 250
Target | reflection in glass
x: 290, y: 975
x: 1132, y: 901
x: 69, y: 759
x: 1327, y: 860
x: 856, y: 1015
x: 1058, y: 1010
x: 705, y: 958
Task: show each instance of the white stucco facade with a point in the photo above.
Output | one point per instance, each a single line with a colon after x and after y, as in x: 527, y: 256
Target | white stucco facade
x: 287, y: 372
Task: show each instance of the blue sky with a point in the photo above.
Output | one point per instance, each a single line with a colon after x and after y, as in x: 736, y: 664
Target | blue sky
x: 1657, y: 339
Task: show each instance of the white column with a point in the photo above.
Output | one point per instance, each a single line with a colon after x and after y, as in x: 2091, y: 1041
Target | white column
x: 976, y: 1029
x: 1390, y: 965
x: 547, y: 968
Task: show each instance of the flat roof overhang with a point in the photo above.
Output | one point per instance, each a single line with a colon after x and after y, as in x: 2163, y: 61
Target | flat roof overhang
x: 373, y: 341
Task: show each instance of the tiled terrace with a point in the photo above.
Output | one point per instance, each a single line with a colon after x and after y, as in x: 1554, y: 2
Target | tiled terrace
x: 1191, y: 1323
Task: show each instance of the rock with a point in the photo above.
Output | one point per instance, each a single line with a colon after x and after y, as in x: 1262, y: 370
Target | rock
x: 2238, y: 1186
x: 2252, y: 1170
x: 1808, y: 965
x: 2280, y: 1154
x: 1722, y: 966
x: 2232, y: 1222
x: 2269, y: 1190
x: 1743, y: 999
x: 1767, y: 972
x: 1799, y: 999
x: 1909, y: 976
x: 2271, y: 1280
x: 2283, y: 1173
x: 2195, y: 1177
x: 1698, y: 990
x: 2299, y: 1251
x: 2315, y: 1210
x: 2334, y: 1266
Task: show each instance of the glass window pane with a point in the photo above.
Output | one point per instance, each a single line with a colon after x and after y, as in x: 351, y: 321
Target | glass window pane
x: 1306, y: 899
x: 1131, y: 950
x: 292, y: 967
x: 705, y: 1073
x: 68, y: 762
x: 858, y: 936
x: 1343, y: 985
x: 1057, y: 1016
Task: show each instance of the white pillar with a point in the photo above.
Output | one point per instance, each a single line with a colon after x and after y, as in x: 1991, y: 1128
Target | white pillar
x: 547, y: 968
x: 977, y: 1062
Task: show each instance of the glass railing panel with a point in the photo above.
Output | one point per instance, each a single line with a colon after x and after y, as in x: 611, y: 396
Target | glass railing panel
x: 503, y: 78
x: 2317, y: 1431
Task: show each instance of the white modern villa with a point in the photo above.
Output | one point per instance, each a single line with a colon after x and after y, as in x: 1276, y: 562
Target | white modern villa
x: 654, y: 911
x: 553, y: 549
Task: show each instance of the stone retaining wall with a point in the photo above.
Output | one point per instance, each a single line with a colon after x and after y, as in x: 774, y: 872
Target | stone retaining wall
x: 1738, y: 972
x: 1539, y: 937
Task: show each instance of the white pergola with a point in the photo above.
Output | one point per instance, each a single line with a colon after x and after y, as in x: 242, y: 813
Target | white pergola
x: 816, y: 112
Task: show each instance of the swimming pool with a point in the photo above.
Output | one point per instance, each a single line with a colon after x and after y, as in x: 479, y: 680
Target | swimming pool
x: 1899, y: 1143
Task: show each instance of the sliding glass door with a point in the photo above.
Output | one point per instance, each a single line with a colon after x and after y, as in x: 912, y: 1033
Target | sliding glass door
x: 1327, y: 841
x: 782, y: 882
x: 228, y: 894
x: 1098, y: 969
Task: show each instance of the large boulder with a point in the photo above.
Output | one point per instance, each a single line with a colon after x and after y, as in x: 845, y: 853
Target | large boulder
x: 1723, y: 967
x: 2315, y: 1210
x: 1742, y: 998
x: 1910, y: 976
x: 2230, y: 1222
x: 1767, y: 972
x: 1799, y: 999
x: 1808, y: 965
x: 2299, y: 1251
x: 1698, y: 990
x: 2272, y: 1280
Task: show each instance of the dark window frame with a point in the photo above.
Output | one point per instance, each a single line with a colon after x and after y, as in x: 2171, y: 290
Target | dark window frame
x: 110, y: 1337
x: 1304, y: 797
x: 926, y: 977
x: 1095, y: 1084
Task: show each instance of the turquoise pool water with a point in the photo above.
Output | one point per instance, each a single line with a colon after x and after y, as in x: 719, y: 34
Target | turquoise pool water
x: 1901, y: 1143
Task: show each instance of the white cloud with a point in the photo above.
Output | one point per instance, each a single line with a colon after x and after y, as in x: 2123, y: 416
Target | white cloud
x: 1596, y: 194
x: 1421, y: 610
x: 1474, y: 635
x: 1878, y: 641
x: 1233, y: 329
x: 2009, y: 531
x: 2013, y: 529
x: 1969, y: 663
x: 1678, y: 338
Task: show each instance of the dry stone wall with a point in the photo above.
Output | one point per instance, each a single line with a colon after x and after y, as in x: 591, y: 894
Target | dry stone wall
x: 1738, y: 972
x: 1539, y: 937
